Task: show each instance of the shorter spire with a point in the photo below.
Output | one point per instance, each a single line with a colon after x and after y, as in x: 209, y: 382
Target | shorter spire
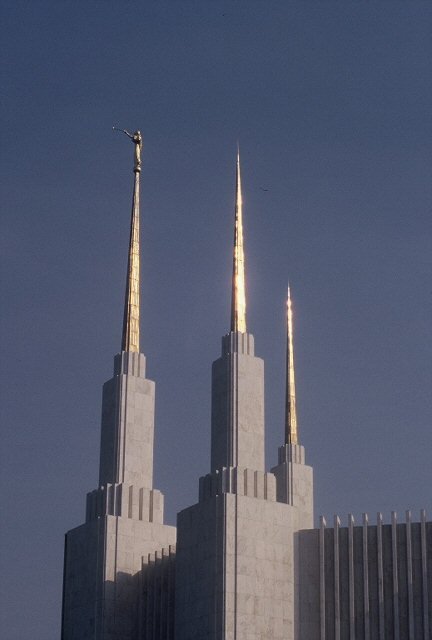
x: 131, y: 317
x: 291, y: 434
x: 238, y: 301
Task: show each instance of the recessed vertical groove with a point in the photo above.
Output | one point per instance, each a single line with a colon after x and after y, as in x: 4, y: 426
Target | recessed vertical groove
x: 151, y: 506
x: 130, y: 509
x: 140, y: 507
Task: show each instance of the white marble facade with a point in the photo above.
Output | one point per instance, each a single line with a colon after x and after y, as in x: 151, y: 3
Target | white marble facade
x: 244, y: 563
x: 124, y: 516
x: 248, y: 564
x: 235, y: 550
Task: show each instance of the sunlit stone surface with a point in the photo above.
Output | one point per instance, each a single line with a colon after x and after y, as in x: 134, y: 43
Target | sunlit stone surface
x: 248, y: 564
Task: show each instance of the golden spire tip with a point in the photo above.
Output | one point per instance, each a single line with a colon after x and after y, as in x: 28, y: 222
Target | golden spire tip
x: 238, y: 300
x: 291, y: 432
x: 131, y: 317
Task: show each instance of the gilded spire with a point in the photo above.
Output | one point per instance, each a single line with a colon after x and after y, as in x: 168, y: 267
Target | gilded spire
x: 131, y: 317
x: 238, y: 301
x: 291, y: 434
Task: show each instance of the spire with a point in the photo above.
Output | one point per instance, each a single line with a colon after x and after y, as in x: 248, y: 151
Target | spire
x: 291, y: 435
x: 238, y: 301
x: 131, y: 317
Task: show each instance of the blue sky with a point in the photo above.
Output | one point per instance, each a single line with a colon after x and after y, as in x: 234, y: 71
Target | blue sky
x: 330, y: 102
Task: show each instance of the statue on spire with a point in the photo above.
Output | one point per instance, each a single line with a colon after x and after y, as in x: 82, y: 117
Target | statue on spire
x: 137, y: 140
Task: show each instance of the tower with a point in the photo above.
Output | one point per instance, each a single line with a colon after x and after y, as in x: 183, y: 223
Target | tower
x: 294, y: 479
x: 124, y: 515
x: 235, y: 553
x: 237, y: 421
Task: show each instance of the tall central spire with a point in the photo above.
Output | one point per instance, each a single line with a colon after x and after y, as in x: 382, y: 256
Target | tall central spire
x: 238, y: 302
x: 291, y: 434
x: 131, y: 317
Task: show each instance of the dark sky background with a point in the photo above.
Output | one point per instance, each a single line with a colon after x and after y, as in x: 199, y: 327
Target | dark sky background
x: 331, y: 104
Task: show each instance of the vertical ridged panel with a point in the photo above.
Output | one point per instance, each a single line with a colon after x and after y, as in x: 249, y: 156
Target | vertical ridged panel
x: 336, y: 577
x: 351, y: 576
x: 365, y: 578
x: 424, y: 574
x: 395, y: 576
x: 322, y: 578
x: 409, y: 576
x: 380, y: 571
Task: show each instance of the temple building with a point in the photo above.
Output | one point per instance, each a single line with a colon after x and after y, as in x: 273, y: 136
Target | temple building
x: 245, y: 562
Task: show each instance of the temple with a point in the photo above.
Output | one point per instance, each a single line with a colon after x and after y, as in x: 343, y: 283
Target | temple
x: 245, y: 562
